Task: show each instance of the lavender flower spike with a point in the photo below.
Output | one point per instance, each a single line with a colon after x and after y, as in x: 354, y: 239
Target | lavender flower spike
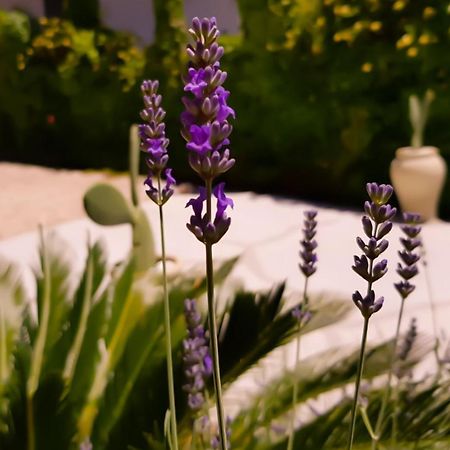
x: 376, y: 225
x: 309, y: 244
x: 196, y: 357
x: 407, y: 268
x: 205, y: 124
x: 154, y: 144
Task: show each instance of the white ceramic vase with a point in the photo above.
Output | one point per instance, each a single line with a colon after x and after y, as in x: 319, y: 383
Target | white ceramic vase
x: 418, y: 176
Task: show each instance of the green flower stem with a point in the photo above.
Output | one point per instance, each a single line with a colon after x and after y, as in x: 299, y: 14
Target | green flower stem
x: 213, y: 327
x: 358, y: 383
x: 168, y: 329
x: 290, y: 444
x: 387, y: 391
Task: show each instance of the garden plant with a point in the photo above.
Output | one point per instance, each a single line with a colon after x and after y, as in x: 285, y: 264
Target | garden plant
x: 131, y: 356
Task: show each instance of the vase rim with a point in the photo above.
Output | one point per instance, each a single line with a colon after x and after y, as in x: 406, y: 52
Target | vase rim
x: 416, y: 152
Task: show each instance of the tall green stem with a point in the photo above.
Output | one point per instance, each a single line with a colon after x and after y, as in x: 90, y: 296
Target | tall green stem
x: 387, y: 391
x: 213, y: 327
x: 168, y: 330
x: 290, y: 444
x: 358, y: 383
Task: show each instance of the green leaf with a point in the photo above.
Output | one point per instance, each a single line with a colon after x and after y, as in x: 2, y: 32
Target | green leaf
x: 105, y: 205
x: 12, y: 304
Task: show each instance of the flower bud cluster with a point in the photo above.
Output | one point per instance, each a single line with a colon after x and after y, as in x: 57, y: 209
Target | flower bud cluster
x: 309, y: 244
x: 405, y: 348
x: 407, y: 268
x: 204, y: 122
x: 205, y: 230
x: 154, y: 144
x: 376, y: 225
x: 206, y: 129
x: 196, y: 357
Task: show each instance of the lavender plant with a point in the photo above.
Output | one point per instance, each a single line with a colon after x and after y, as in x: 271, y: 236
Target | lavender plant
x: 196, y: 357
x: 407, y: 269
x: 206, y: 129
x: 301, y: 312
x: 154, y: 144
x: 376, y: 225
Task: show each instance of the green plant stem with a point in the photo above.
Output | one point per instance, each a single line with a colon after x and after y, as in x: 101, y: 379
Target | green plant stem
x: 358, y: 383
x: 395, y: 416
x: 290, y: 444
x: 387, y: 391
x: 213, y: 327
x: 168, y: 329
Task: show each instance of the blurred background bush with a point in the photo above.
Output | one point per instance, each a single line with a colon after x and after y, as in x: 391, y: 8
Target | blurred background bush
x: 320, y: 88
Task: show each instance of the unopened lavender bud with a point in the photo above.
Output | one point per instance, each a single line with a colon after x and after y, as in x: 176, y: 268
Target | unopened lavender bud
x: 379, y: 269
x: 384, y: 229
x: 367, y: 226
x: 407, y: 272
x: 308, y: 244
x: 404, y: 288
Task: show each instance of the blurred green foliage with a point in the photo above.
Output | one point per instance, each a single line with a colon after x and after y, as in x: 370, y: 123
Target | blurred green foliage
x: 320, y: 89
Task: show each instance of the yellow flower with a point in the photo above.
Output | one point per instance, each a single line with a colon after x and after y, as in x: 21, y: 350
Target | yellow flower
x: 412, y: 52
x: 405, y: 41
x: 43, y: 21
x: 345, y: 10
x: 426, y: 39
x: 375, y: 26
x: 399, y: 5
x: 344, y: 35
x: 429, y: 12
x: 321, y: 21
x: 358, y: 26
x: 367, y: 67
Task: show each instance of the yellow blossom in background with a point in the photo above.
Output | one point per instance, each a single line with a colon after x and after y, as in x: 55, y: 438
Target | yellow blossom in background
x: 367, y: 67
x: 399, y: 5
x: 321, y: 22
x: 344, y: 36
x: 20, y: 61
x: 427, y: 39
x: 359, y: 25
x: 429, y: 12
x: 345, y: 10
x: 412, y: 52
x: 405, y: 41
x: 375, y: 26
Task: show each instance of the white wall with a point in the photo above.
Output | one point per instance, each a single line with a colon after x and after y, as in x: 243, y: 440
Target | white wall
x: 136, y: 16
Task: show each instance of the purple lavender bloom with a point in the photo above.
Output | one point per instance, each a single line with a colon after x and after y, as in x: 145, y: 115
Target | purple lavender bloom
x: 204, y: 230
x: 154, y: 144
x: 309, y: 244
x: 205, y: 124
x: 196, y: 357
x: 301, y: 314
x: 215, y: 441
x: 407, y: 268
x: 376, y: 225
